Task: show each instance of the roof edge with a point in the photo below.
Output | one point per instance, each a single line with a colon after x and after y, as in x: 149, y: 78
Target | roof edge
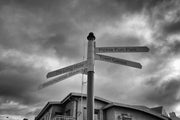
x: 114, y: 104
x: 45, y: 107
x: 83, y: 95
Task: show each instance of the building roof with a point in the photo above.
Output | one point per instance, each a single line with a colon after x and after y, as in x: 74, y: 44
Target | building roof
x: 160, y: 109
x: 135, y: 107
x: 65, y: 100
x: 83, y: 95
x: 46, y: 107
x: 109, y: 105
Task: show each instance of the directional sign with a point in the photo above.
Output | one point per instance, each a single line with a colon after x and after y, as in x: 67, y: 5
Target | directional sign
x: 60, y: 78
x: 118, y: 61
x: 121, y: 49
x: 67, y: 69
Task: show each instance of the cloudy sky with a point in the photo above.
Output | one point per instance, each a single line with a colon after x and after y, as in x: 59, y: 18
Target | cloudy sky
x: 38, y: 36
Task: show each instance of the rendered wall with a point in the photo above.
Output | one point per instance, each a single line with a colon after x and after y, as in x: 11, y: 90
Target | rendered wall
x: 82, y: 112
x: 114, y: 112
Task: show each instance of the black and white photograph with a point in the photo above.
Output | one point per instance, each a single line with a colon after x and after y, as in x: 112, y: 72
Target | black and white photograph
x: 89, y: 59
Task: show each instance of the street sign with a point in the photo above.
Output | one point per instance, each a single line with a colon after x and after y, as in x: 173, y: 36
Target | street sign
x: 87, y: 67
x: 60, y: 78
x: 121, y: 49
x: 117, y: 61
x: 70, y: 68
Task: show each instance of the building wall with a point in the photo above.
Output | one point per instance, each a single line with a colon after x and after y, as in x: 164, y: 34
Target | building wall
x: 109, y: 114
x: 116, y: 113
x: 55, y: 110
x: 46, y: 115
x: 72, y: 107
x: 69, y: 109
x: 82, y: 109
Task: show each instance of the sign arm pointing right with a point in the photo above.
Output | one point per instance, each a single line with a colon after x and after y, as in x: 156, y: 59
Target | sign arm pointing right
x: 131, y: 49
x: 118, y: 61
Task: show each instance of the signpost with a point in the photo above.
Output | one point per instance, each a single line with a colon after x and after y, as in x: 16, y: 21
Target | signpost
x: 90, y: 78
x: 87, y: 67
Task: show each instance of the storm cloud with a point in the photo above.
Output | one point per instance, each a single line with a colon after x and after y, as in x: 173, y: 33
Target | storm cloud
x: 165, y: 93
x: 43, y: 35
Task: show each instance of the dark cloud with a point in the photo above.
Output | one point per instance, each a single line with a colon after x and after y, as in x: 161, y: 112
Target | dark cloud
x: 164, y: 93
x: 163, y: 20
x: 19, y: 87
x: 172, y: 28
x: 138, y: 5
x: 123, y: 40
x: 15, y: 110
x: 60, y: 44
x: 18, y: 82
x: 37, y: 32
x: 153, y: 81
x: 105, y: 11
x: 169, y: 20
x: 166, y: 48
x: 35, y: 112
x: 175, y: 47
x: 52, y: 19
x: 45, y: 27
x: 33, y: 5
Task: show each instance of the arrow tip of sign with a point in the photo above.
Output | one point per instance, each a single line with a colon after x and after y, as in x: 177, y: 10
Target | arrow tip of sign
x: 140, y: 66
x: 47, y: 76
x: 148, y: 49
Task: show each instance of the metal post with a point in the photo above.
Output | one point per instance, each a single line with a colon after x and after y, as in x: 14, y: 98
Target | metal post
x: 90, y: 78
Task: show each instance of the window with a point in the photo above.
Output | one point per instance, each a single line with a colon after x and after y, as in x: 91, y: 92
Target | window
x: 68, y: 112
x: 96, y: 114
x: 58, y: 113
x: 124, y: 116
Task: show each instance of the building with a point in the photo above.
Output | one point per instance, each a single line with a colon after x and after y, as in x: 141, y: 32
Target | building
x: 73, y: 107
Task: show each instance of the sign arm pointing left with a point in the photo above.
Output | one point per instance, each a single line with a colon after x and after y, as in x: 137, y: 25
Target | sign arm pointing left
x: 70, y: 68
x: 60, y: 78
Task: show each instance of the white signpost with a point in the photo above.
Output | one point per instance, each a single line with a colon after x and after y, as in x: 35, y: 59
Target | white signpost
x: 87, y: 67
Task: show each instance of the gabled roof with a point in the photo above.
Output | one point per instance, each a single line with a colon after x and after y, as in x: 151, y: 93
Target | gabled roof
x: 84, y: 96
x: 46, y: 107
x: 160, y: 109
x: 109, y: 105
x: 65, y: 100
x: 134, y: 107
